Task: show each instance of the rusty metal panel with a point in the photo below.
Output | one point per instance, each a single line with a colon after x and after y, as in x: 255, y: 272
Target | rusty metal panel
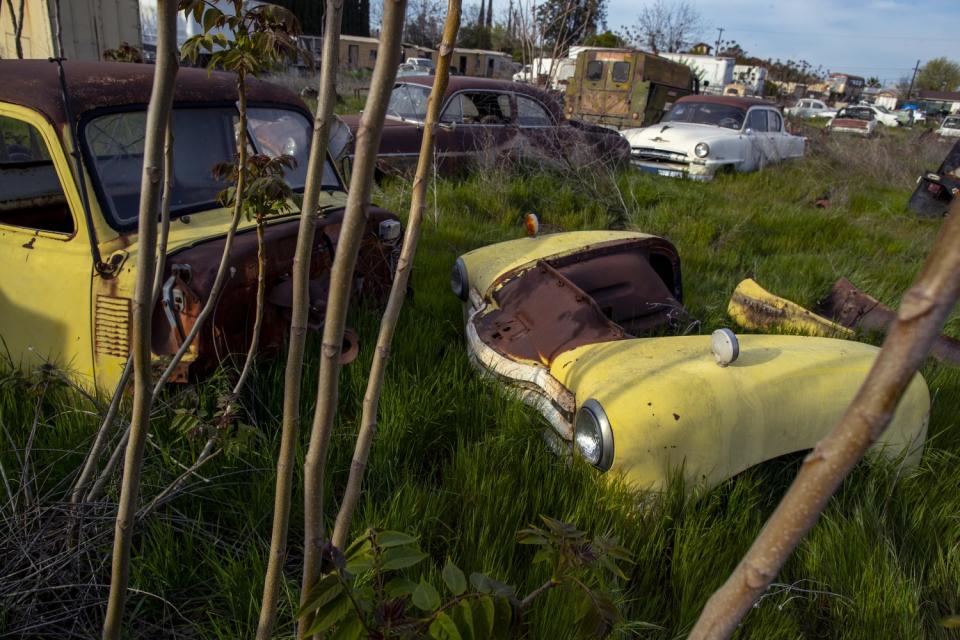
x: 112, y: 326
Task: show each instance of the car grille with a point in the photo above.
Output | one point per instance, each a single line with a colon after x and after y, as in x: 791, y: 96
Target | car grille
x: 657, y: 155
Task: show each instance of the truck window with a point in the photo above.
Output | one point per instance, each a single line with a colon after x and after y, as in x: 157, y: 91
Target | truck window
x: 594, y: 70
x: 531, y: 114
x: 621, y: 72
x: 30, y: 192
x: 774, y: 122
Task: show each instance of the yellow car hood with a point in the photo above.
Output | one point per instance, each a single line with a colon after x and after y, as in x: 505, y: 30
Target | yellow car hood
x: 669, y: 403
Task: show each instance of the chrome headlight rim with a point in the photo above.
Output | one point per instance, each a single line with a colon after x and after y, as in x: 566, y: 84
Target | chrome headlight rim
x: 702, y: 150
x: 459, y: 282
x: 599, y: 417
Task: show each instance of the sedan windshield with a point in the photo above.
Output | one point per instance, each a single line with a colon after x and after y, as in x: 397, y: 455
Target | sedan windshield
x: 720, y: 115
x: 856, y: 113
x: 409, y: 102
x: 202, y: 139
x: 951, y: 123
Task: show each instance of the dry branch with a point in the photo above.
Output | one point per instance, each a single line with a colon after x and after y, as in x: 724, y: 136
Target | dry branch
x: 922, y: 314
x: 348, y: 246
x: 398, y: 290
x: 158, y: 115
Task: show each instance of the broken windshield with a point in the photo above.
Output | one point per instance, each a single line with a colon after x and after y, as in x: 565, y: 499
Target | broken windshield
x: 720, y: 115
x: 409, y: 102
x: 202, y: 139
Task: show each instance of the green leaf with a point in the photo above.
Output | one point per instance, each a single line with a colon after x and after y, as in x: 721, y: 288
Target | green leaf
x: 322, y: 592
x: 486, y: 584
x: 358, y: 546
x: 425, y: 597
x: 210, y: 18
x: 502, y: 618
x: 330, y: 614
x: 387, y: 539
x: 443, y: 628
x: 454, y: 578
x: 401, y: 558
x: 483, y: 610
x: 399, y: 587
x: 359, y: 564
x: 350, y: 628
x: 463, y: 618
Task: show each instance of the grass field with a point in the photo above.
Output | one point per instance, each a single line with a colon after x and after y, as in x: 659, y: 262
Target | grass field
x: 461, y: 464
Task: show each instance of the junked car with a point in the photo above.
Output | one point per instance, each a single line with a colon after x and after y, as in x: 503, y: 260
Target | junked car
x: 950, y: 127
x: 857, y: 119
x: 882, y: 115
x: 936, y: 190
x: 68, y: 223
x: 810, y: 108
x: 561, y: 319
x: 704, y: 135
x: 484, y: 116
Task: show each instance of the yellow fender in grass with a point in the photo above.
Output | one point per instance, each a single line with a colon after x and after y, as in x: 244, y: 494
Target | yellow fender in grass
x: 753, y: 307
x: 669, y: 404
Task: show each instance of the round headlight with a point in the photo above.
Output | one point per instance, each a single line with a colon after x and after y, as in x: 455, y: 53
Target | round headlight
x: 593, y: 435
x: 459, y: 282
x: 702, y: 150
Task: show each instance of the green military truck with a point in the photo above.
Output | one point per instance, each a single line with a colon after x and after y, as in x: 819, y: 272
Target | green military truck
x: 623, y: 88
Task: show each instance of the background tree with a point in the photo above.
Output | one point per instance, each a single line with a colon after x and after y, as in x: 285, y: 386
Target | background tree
x: 606, y: 39
x: 564, y: 23
x: 874, y: 82
x: 939, y: 74
x: 311, y: 13
x: 666, y: 26
x: 16, y: 20
x: 424, y: 23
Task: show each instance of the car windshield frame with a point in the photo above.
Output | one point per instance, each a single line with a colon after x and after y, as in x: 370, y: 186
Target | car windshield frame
x: 851, y: 113
x: 729, y: 109
x: 951, y: 122
x: 125, y: 225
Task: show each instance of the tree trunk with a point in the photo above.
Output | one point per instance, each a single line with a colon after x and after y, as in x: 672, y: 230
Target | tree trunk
x: 921, y: 316
x: 341, y: 279
x: 326, y: 101
x: 158, y: 114
x: 57, y: 28
x: 398, y: 291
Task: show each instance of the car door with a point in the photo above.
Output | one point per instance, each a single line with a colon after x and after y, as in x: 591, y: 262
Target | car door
x: 537, y: 132
x: 45, y: 254
x: 488, y: 123
x: 782, y: 144
x: 758, y: 142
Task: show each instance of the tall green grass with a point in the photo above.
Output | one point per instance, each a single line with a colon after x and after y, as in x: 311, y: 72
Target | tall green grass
x: 461, y: 463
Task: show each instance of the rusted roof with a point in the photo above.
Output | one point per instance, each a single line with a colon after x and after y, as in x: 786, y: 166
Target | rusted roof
x: 946, y: 96
x: 731, y: 101
x: 91, y: 85
x: 466, y: 83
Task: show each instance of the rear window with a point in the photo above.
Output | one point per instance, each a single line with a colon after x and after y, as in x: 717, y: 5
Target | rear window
x: 621, y: 72
x: 594, y: 70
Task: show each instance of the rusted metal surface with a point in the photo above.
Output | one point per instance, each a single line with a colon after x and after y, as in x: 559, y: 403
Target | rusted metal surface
x: 618, y: 291
x: 92, y: 85
x: 935, y: 191
x: 229, y: 329
x: 855, y: 309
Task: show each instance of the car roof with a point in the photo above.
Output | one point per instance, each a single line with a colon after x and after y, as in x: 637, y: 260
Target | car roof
x: 465, y: 83
x: 94, y: 85
x: 730, y: 101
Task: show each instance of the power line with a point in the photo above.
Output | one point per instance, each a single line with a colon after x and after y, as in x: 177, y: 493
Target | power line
x: 813, y: 34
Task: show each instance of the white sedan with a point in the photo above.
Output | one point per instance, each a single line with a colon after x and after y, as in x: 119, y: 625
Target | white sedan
x: 704, y: 135
x: 950, y: 127
x: 810, y: 108
x: 882, y: 115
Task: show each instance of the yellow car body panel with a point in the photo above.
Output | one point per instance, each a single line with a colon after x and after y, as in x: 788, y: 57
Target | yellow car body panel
x: 669, y: 403
x: 753, y: 307
x: 486, y: 264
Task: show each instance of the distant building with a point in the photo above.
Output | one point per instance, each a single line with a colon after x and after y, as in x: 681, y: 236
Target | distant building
x: 89, y: 27
x: 714, y: 73
x: 701, y: 49
x: 944, y: 101
x: 846, y: 87
x: 752, y: 78
x: 482, y: 63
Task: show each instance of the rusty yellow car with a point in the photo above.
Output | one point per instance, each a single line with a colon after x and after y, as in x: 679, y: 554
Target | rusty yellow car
x: 71, y: 145
x: 583, y: 325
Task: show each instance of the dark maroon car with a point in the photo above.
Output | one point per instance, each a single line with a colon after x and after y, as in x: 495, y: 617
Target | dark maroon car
x: 488, y: 120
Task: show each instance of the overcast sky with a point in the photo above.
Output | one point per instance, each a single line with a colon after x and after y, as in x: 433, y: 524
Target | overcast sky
x: 882, y: 38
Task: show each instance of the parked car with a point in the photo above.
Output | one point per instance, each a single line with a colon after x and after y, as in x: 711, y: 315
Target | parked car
x: 560, y: 319
x: 856, y: 119
x: 950, y: 127
x: 882, y: 115
x: 69, y: 261
x: 936, y: 190
x: 703, y: 135
x: 809, y: 108
x: 426, y: 65
x: 485, y: 116
x: 525, y: 74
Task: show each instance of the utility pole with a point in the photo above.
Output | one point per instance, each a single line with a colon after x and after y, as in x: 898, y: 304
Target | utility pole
x: 912, y: 78
x: 716, y: 51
